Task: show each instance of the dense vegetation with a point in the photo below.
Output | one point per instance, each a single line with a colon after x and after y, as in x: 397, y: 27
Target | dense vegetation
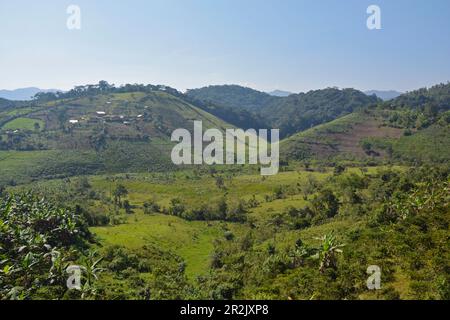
x: 310, y: 237
x: 367, y: 185
x: 37, y: 242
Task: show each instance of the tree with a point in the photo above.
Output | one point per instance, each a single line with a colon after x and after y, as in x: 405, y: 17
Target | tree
x: 299, y: 253
x: 177, y: 207
x: 104, y: 86
x: 339, y: 169
x: 151, y: 206
x: 367, y: 146
x: 326, y: 204
x: 118, y: 193
x: 128, y: 207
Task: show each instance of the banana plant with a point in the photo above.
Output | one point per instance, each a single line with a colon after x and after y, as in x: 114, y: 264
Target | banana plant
x: 91, y: 270
x: 327, y: 252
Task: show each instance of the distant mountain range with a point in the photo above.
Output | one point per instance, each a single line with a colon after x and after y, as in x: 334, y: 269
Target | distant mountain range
x: 280, y: 93
x: 384, y: 95
x: 23, y: 93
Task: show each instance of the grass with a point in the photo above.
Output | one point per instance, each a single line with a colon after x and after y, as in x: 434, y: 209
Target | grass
x: 23, y: 124
x: 25, y: 166
x: 193, y: 241
x: 429, y: 144
x: 194, y: 190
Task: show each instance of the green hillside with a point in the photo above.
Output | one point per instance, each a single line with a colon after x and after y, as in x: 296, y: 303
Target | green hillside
x: 101, y: 132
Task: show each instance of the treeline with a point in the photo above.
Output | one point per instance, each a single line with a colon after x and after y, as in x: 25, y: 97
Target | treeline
x: 234, y: 210
x: 103, y: 87
x: 434, y: 99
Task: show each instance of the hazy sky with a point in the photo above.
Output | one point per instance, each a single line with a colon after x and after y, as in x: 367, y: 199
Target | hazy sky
x: 293, y: 45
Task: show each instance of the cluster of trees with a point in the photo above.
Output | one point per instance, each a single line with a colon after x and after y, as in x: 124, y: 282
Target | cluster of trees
x: 419, y: 108
x: 220, y: 210
x: 40, y: 242
x: 435, y: 99
x: 20, y: 141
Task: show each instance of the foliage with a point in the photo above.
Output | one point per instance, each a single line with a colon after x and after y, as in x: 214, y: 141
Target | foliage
x: 36, y: 238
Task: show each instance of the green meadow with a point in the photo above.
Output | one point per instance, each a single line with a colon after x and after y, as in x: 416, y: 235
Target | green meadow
x: 24, y: 124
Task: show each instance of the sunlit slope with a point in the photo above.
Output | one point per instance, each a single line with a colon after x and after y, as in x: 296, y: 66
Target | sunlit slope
x: 368, y: 135
x: 118, y: 132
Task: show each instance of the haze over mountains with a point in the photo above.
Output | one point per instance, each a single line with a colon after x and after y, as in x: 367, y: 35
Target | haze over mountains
x: 280, y: 93
x: 23, y: 94
x: 384, y: 94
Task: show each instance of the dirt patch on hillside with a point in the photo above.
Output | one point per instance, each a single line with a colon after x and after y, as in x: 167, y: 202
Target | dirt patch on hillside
x: 350, y: 142
x: 330, y: 144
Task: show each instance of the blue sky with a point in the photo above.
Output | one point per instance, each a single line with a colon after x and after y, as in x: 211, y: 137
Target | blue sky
x: 295, y: 45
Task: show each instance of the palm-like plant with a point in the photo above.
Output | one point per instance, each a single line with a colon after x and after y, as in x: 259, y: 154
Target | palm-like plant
x: 90, y: 273
x: 327, y: 252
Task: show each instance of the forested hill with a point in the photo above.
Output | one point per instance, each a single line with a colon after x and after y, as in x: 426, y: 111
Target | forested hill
x: 4, y: 103
x: 291, y: 114
x: 234, y: 96
x: 302, y: 111
x: 436, y: 98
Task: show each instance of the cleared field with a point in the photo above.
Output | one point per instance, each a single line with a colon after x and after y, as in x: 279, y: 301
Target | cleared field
x: 24, y: 124
x: 193, y: 241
